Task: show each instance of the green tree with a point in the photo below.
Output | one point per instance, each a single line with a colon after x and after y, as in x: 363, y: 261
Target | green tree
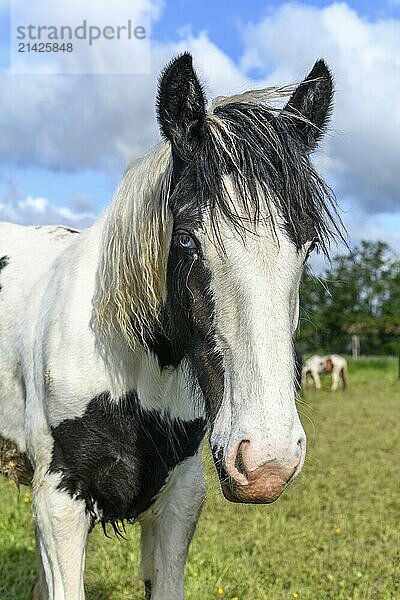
x: 359, y: 294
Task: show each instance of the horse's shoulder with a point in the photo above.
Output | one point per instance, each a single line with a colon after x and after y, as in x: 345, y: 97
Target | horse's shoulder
x: 117, y: 456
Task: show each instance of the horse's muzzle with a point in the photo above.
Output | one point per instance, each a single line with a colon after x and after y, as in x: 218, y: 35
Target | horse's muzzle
x: 261, y: 485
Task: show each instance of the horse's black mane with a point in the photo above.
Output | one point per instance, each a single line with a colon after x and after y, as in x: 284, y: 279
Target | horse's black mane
x: 269, y: 167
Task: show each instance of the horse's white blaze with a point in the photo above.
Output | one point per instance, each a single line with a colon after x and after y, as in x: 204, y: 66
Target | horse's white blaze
x: 255, y: 287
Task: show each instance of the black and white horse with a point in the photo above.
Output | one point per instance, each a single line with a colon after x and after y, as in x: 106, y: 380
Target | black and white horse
x: 174, y: 312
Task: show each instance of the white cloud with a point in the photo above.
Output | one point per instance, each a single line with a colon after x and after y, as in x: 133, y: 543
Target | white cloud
x: 379, y: 227
x: 73, y: 123
x: 15, y: 207
x: 364, y: 145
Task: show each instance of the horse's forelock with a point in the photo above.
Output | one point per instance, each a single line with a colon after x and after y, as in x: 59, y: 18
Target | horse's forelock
x: 253, y: 142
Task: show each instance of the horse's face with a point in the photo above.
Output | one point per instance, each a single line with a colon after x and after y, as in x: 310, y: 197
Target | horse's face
x: 232, y: 292
x: 234, y: 311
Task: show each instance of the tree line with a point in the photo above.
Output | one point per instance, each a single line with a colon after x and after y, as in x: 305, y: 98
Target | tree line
x: 359, y: 294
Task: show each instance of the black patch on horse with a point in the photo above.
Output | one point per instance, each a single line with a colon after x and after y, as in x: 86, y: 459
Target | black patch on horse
x: 118, y: 455
x: 188, y: 316
x: 4, y: 260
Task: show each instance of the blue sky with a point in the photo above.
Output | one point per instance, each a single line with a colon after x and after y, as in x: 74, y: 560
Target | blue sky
x: 66, y: 139
x: 224, y: 18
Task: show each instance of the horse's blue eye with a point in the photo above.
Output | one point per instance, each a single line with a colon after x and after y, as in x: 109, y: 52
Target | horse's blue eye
x: 186, y: 241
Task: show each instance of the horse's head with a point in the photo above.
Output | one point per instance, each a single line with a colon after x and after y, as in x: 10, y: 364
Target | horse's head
x: 247, y: 208
x: 203, y: 253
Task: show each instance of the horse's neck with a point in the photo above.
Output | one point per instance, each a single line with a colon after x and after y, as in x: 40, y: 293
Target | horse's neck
x: 170, y: 390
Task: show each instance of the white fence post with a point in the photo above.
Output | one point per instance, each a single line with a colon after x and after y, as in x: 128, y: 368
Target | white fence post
x: 355, y: 347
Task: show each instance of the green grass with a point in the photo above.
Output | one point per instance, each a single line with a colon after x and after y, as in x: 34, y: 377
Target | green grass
x: 334, y: 534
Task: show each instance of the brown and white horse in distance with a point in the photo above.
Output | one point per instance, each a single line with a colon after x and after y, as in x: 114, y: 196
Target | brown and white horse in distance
x: 330, y: 364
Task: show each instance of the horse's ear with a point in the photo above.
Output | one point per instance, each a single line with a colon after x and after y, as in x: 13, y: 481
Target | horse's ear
x: 310, y: 105
x: 181, y: 106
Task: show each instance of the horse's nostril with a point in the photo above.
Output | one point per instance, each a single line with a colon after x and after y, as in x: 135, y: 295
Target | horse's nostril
x: 239, y: 460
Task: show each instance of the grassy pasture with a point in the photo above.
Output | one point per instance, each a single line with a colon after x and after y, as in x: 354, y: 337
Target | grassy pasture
x: 334, y: 534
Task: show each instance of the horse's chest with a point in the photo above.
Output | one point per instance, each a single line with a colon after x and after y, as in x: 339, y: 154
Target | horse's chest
x: 117, y: 457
